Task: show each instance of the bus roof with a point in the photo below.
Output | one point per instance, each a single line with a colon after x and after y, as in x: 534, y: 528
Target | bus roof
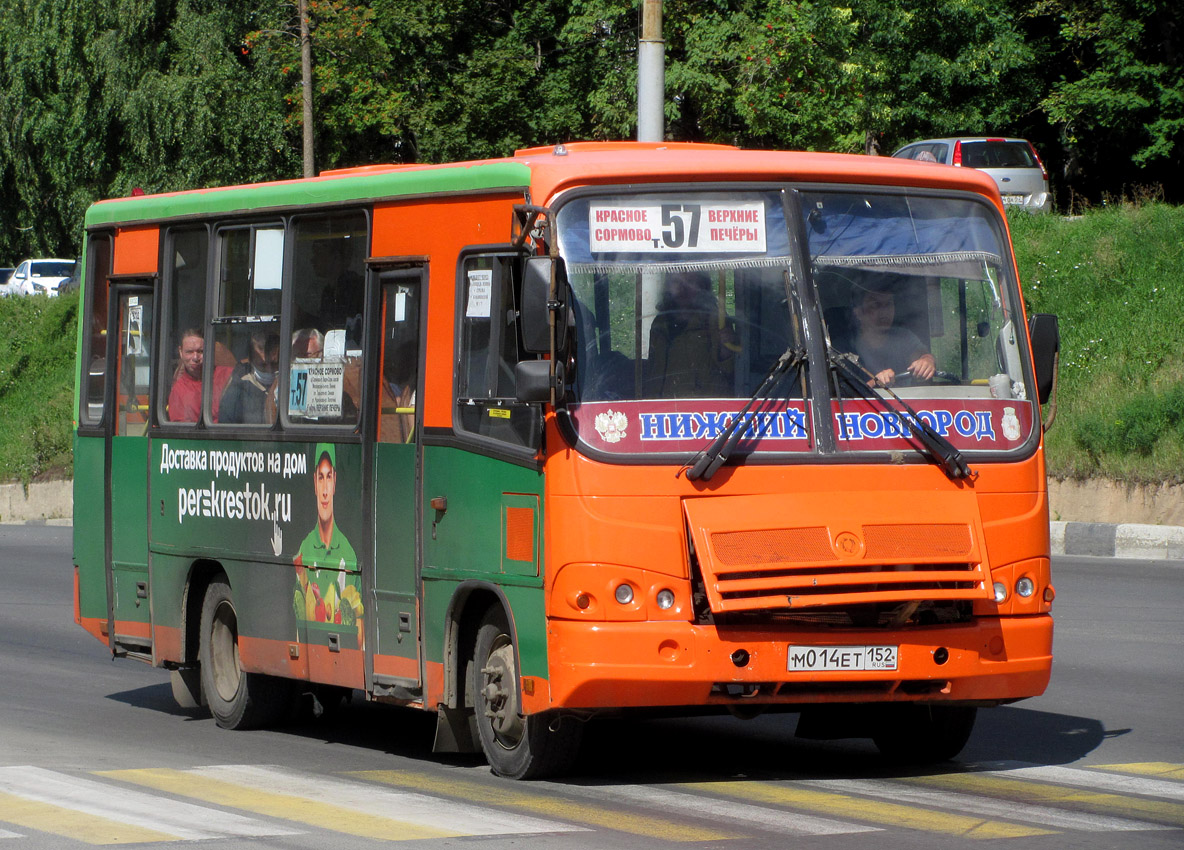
x: 363, y: 184
x: 560, y: 167
x: 544, y: 172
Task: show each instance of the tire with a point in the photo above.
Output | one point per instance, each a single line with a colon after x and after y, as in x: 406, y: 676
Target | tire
x: 516, y: 746
x: 237, y: 700
x: 924, y: 734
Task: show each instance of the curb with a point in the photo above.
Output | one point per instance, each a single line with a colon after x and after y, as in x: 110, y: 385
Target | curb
x: 1117, y: 540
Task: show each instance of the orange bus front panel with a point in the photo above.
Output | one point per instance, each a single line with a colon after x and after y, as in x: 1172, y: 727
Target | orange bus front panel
x: 637, y: 664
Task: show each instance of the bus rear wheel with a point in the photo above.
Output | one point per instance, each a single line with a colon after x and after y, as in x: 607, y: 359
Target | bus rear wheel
x: 909, y: 733
x: 237, y: 699
x: 517, y: 746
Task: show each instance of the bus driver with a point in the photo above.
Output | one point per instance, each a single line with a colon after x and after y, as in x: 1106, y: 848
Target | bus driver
x: 884, y: 349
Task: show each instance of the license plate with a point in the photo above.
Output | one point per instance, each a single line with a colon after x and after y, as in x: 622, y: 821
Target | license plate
x: 824, y: 658
x: 1013, y: 199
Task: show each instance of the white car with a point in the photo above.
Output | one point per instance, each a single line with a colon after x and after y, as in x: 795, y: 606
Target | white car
x: 39, y: 277
x: 1013, y: 164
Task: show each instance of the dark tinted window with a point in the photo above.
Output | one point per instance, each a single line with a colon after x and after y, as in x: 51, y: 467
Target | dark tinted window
x: 997, y: 155
x: 489, y: 353
x: 97, y: 270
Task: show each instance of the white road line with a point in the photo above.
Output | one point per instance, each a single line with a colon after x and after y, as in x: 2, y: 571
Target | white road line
x: 789, y: 823
x: 384, y: 801
x: 132, y: 807
x: 957, y: 801
x: 4, y: 833
x: 1079, y: 778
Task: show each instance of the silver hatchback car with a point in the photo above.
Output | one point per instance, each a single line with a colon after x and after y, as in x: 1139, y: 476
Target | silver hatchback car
x: 1012, y: 163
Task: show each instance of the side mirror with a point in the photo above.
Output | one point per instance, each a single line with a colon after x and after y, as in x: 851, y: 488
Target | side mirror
x: 1045, y: 333
x: 537, y: 305
x: 1046, y: 345
x: 532, y: 380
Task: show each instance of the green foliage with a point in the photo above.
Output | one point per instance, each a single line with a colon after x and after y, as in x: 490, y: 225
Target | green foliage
x: 942, y: 67
x: 1126, y: 84
x: 1115, y: 277
x: 100, y: 98
x: 37, y: 386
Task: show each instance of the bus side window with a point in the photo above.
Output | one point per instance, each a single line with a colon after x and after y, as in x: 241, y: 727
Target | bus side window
x: 98, y: 269
x: 324, y: 363
x: 489, y: 352
x: 246, y: 322
x: 134, y: 359
x: 184, y: 359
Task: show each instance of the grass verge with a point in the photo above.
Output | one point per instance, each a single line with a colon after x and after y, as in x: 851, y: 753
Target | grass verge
x: 1115, y: 277
x: 37, y: 386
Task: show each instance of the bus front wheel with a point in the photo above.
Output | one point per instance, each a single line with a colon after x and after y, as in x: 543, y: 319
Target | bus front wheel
x: 913, y: 733
x: 517, y: 746
x: 237, y: 699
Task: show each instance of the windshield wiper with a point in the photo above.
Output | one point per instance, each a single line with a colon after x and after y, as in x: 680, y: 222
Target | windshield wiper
x: 706, y: 462
x: 933, y: 444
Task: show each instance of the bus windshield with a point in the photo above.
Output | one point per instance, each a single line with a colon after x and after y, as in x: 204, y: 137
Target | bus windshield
x: 683, y: 301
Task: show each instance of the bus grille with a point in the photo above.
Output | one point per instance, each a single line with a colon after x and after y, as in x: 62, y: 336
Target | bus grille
x: 795, y: 568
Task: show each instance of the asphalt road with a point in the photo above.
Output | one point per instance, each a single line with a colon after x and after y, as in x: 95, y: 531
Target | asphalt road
x: 95, y: 751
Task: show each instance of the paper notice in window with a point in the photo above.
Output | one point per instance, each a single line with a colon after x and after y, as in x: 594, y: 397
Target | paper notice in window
x: 480, y: 293
x: 316, y: 389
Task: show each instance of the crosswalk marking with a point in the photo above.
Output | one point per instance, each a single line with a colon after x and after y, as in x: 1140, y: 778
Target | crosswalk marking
x: 783, y: 822
x: 1003, y: 809
x: 991, y: 800
x: 1035, y: 792
x: 1162, y: 769
x: 335, y: 804
x: 177, y: 819
x: 928, y: 820
x: 81, y: 826
x: 550, y: 805
x: 1090, y: 779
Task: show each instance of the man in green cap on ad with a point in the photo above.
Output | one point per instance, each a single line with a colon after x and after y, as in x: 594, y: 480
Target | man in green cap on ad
x: 326, y: 560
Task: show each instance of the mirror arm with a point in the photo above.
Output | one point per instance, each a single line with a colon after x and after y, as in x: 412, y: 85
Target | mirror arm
x: 1050, y: 412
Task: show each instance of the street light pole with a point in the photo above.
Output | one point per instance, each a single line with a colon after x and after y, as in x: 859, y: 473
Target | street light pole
x: 306, y: 86
x: 651, y: 74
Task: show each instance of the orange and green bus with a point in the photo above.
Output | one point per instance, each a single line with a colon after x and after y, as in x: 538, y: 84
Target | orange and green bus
x: 596, y: 428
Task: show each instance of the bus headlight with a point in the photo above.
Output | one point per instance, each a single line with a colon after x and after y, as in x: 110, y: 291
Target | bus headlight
x: 665, y: 599
x: 624, y: 593
x: 1025, y: 587
x: 1000, y: 593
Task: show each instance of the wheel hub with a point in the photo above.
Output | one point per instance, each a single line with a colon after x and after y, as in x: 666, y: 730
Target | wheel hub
x: 500, y: 693
x: 224, y: 655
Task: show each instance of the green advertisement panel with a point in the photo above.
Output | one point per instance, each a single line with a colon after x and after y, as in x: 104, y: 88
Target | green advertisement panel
x: 291, y: 504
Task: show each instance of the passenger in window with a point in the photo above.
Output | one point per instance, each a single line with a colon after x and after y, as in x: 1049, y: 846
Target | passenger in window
x: 397, y: 414
x: 250, y: 395
x: 308, y: 344
x: 185, y: 395
x: 885, y: 349
x: 690, y: 355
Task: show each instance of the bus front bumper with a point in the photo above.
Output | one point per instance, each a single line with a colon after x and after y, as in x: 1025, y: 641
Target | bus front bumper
x: 650, y: 664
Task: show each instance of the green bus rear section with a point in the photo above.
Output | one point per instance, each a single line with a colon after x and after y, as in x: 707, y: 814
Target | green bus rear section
x: 89, y: 526
x: 464, y: 548
x: 141, y: 570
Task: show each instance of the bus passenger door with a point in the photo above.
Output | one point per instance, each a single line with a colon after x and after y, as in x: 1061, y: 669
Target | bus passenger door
x: 126, y: 480
x: 395, y: 635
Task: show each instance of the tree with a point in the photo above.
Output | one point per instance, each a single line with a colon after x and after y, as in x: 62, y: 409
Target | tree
x: 1119, y: 95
